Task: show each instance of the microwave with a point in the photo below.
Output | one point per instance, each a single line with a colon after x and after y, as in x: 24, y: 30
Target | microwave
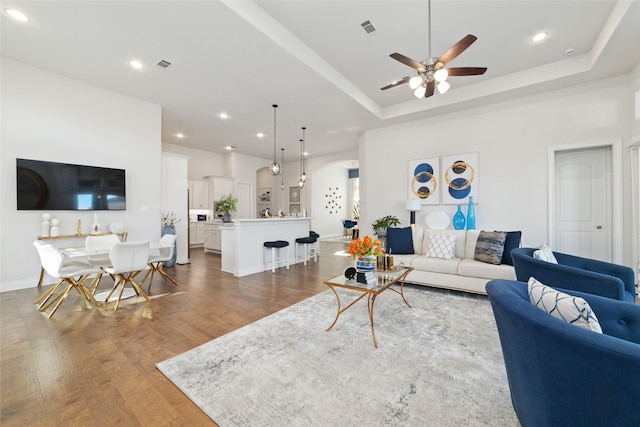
x: 202, y: 217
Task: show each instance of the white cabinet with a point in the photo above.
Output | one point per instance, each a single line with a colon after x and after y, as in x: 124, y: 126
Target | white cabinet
x: 220, y: 186
x: 212, y: 238
x: 196, y: 233
x: 199, y: 195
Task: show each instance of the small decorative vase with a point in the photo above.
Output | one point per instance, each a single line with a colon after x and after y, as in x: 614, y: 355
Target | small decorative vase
x: 458, y: 219
x: 226, y: 217
x: 366, y: 263
x: 170, y: 229
x: 471, y: 215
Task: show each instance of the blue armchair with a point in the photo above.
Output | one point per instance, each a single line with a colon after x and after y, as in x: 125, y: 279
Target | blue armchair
x: 576, y: 273
x: 562, y: 375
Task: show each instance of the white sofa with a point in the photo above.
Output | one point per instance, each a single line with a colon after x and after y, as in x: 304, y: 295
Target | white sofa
x: 462, y: 273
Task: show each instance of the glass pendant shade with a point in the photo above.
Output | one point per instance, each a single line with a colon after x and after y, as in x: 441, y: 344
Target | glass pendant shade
x: 274, y: 167
x: 414, y: 82
x: 420, y: 91
x: 443, y: 87
x: 441, y: 75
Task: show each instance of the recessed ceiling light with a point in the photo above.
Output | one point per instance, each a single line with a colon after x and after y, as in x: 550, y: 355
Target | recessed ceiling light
x: 539, y: 37
x: 136, y: 64
x: 223, y: 115
x: 260, y: 135
x: 16, y: 14
x: 180, y: 135
x: 229, y: 147
x: 569, y: 51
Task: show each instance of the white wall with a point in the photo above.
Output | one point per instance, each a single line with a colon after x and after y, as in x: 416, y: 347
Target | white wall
x: 201, y: 163
x: 49, y: 117
x: 512, y: 139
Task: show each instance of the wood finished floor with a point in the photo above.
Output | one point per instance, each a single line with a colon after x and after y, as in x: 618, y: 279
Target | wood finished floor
x: 96, y: 367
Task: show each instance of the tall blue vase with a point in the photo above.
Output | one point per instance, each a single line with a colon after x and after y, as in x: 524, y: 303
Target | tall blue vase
x: 170, y: 229
x: 458, y: 219
x: 471, y: 215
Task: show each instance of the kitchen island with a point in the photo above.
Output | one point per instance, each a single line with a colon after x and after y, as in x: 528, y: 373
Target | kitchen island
x: 243, y: 240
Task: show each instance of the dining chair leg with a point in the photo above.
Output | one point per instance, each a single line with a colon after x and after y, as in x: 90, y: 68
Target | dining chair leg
x: 124, y: 283
x: 48, y: 302
x: 63, y: 297
x: 166, y: 275
x: 135, y: 286
x: 49, y: 292
x: 115, y: 286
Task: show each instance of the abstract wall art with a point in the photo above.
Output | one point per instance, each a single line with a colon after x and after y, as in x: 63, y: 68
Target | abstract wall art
x: 423, y: 180
x: 459, y: 178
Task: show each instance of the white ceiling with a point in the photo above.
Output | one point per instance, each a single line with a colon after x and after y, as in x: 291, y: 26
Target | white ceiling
x: 314, y: 59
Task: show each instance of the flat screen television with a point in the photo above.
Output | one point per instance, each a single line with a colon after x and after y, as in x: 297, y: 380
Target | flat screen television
x: 62, y: 186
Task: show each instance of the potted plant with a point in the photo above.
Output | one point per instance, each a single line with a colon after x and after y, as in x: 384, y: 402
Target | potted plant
x: 380, y: 225
x: 226, y: 205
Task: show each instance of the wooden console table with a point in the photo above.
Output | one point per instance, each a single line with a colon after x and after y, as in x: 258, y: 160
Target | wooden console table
x: 122, y: 235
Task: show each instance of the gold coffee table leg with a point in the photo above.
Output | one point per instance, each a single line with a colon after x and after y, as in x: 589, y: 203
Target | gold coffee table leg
x: 338, y: 313
x: 371, y: 302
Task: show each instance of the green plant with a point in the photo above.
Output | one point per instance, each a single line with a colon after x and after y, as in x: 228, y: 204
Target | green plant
x: 227, y: 203
x: 380, y: 225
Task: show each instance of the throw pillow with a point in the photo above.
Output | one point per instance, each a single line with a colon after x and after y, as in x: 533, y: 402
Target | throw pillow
x: 399, y: 241
x: 511, y: 242
x: 441, y: 246
x: 571, y: 309
x: 490, y: 246
x: 544, y: 253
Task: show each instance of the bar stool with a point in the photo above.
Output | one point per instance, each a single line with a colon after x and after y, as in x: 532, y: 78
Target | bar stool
x: 273, y: 245
x: 309, y: 248
x: 317, y: 245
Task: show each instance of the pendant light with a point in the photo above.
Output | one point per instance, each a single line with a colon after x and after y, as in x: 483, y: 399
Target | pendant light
x: 303, y: 176
x: 274, y: 168
x: 282, y: 161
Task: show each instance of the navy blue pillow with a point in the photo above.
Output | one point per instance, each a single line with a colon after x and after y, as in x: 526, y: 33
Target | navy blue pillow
x: 400, y: 240
x: 511, y: 242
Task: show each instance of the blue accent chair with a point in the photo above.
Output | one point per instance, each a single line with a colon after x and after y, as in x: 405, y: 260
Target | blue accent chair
x: 576, y: 273
x: 562, y: 375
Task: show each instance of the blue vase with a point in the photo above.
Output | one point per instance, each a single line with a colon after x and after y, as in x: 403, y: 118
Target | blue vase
x: 458, y: 219
x: 170, y: 229
x: 471, y: 215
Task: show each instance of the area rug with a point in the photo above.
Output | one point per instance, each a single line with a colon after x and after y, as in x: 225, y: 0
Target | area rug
x: 439, y: 363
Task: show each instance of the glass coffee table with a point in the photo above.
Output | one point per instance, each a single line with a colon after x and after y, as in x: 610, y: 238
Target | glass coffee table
x: 386, y: 279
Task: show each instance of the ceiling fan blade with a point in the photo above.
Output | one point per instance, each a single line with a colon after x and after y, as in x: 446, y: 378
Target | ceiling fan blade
x: 407, y: 61
x: 398, y: 83
x: 466, y: 71
x: 431, y: 86
x: 455, y: 50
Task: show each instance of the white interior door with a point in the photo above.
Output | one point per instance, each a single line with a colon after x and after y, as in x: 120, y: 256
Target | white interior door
x: 583, y: 203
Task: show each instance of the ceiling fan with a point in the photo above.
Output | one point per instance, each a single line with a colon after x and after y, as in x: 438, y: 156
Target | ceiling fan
x: 432, y: 72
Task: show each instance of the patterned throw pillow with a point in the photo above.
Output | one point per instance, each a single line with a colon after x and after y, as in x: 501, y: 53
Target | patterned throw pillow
x: 574, y: 310
x: 489, y: 247
x: 441, y: 246
x: 545, y: 254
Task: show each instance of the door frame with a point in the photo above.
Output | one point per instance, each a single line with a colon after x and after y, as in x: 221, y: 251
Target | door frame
x: 616, y: 182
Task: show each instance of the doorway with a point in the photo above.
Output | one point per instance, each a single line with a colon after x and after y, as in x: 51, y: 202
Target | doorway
x: 585, y: 207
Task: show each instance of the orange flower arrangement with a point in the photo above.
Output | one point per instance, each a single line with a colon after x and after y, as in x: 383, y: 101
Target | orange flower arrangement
x: 365, y: 247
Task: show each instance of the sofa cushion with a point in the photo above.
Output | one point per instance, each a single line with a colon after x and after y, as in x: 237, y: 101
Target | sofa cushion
x: 544, y: 253
x: 472, y: 268
x: 511, y: 242
x: 461, y: 238
x: 489, y: 247
x: 399, y: 240
x: 441, y: 246
x: 435, y: 265
x: 571, y: 309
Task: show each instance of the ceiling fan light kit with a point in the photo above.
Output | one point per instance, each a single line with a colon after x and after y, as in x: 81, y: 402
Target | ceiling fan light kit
x: 431, y: 71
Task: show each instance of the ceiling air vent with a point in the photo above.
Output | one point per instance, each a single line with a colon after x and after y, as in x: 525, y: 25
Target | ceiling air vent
x: 368, y: 27
x: 164, y: 64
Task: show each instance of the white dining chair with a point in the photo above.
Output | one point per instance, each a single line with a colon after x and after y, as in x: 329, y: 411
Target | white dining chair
x: 156, y: 262
x: 128, y: 259
x: 97, y: 248
x: 73, y: 273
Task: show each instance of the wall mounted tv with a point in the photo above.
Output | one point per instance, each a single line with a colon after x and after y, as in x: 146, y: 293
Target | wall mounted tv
x: 44, y: 186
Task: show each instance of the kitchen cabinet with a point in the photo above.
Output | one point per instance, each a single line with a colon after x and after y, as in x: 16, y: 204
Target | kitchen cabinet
x: 220, y: 186
x: 212, y: 238
x: 196, y: 233
x: 199, y: 195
